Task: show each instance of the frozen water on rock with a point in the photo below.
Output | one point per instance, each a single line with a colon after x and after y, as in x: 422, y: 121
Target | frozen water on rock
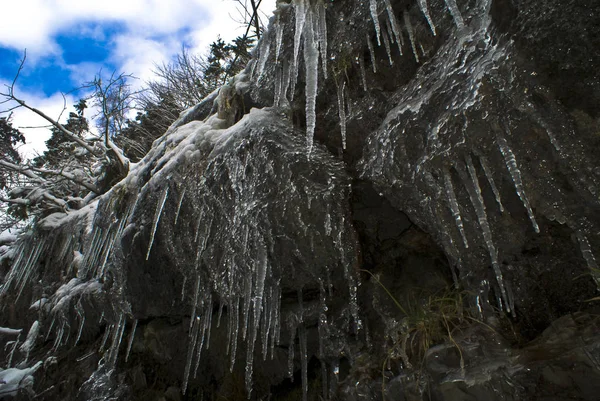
x: 311, y: 61
x: 515, y: 173
x: 453, y: 203
x: 363, y: 73
x: 301, y: 9
x: 388, y: 48
x: 488, y: 173
x: 265, y: 49
x: 375, y: 17
x: 157, y: 214
x: 425, y: 11
x: 474, y: 190
x: 342, y: 114
x: 394, y: 24
x: 251, y: 198
x: 372, y: 53
x: 321, y: 29
x: 588, y: 255
x: 131, y: 338
x: 411, y: 35
x: 453, y: 8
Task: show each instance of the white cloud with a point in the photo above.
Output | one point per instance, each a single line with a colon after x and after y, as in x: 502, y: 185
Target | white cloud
x: 32, y: 23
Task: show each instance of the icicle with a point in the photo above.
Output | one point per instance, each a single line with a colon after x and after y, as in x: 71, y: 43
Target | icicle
x: 513, y: 168
x: 266, y: 322
x: 29, y: 267
x: 323, y: 336
x: 81, y: 315
x: 247, y: 300
x: 388, y: 49
x: 100, y: 272
x: 196, y: 301
x: 322, y: 35
x: 208, y: 317
x: 375, y: 17
x: 303, y: 361
x: 354, y: 309
x: 474, y: 191
x: 264, y: 56
x: 158, y: 212
x: 179, y: 206
x: 372, y: 53
x: 454, y: 206
x: 234, y: 333
x: 183, y: 288
x: 291, y: 352
x: 205, y: 331
x: 130, y: 340
x: 342, y: 112
x: 12, y: 353
x: 588, y: 255
x: 278, y: 85
x: 261, y: 269
x: 285, y: 81
x: 490, y: 178
x: 107, y: 332
x: 411, y: 35
x: 394, y: 25
x: 117, y: 337
x: 363, y: 72
x: 453, y: 8
x: 311, y: 63
x: 425, y: 11
x: 278, y: 37
x: 276, y: 329
x: 300, y: 14
x: 220, y: 314
x: 191, y: 348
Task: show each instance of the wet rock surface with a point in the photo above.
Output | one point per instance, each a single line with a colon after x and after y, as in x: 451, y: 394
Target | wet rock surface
x: 436, y: 237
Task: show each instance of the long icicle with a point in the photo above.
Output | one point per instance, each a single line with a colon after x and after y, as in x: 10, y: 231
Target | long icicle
x: 411, y: 34
x: 375, y: 17
x: 515, y: 173
x: 453, y: 8
x: 474, y: 191
x: 454, y: 206
x: 342, y: 112
x: 425, y: 11
x: 157, y: 214
x: 394, y: 24
x: 490, y: 178
x: 311, y: 63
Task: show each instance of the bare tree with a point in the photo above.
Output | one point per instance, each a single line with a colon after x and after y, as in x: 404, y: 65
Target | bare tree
x: 251, y: 17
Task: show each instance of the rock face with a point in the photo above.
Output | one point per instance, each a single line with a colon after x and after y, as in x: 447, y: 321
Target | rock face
x: 396, y: 200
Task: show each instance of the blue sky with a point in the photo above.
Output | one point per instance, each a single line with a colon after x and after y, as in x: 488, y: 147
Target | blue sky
x: 69, y: 41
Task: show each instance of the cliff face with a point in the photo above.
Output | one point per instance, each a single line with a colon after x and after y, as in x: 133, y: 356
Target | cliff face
x: 396, y: 199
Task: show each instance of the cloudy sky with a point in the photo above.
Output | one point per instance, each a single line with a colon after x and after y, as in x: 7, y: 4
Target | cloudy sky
x: 69, y: 41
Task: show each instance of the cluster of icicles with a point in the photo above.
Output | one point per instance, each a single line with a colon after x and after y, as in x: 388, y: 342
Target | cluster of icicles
x: 257, y: 312
x: 310, y: 33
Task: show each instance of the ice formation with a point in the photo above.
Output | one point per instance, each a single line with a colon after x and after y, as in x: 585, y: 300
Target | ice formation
x: 220, y: 200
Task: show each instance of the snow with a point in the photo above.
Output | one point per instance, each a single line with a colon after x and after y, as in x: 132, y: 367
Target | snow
x: 32, y: 336
x: 10, y: 332
x: 9, y: 236
x: 11, y: 380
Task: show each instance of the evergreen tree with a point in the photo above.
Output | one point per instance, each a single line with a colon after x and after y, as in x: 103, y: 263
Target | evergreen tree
x: 10, y: 137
